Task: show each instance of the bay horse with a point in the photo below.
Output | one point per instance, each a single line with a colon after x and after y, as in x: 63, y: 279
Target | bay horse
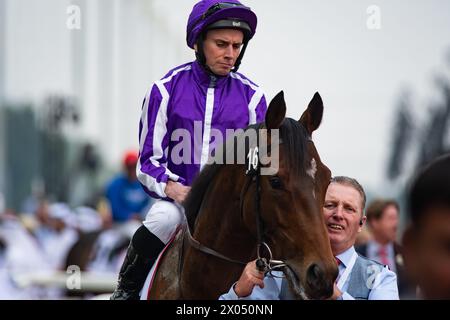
x: 234, y: 217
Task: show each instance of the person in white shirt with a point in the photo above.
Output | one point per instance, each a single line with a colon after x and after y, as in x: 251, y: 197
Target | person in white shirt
x: 359, y: 277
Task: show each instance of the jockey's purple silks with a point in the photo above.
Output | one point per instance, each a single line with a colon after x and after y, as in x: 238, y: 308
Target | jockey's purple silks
x: 182, y: 116
x: 218, y: 103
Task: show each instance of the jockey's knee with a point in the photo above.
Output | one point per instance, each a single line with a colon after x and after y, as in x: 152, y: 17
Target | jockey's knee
x: 163, y: 219
x: 173, y: 217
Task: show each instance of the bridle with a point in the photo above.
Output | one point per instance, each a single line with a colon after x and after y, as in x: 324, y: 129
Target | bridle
x: 265, y: 262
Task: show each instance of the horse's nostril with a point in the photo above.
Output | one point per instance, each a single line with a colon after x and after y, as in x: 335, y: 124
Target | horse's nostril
x: 314, y: 271
x: 317, y: 282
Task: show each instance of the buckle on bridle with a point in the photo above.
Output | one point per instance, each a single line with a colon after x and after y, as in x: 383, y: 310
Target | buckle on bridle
x: 268, y: 265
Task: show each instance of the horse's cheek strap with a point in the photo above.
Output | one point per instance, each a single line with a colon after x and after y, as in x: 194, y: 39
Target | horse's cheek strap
x: 242, y: 196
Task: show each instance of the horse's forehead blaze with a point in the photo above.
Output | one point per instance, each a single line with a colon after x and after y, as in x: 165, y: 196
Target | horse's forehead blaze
x: 317, y: 167
x: 312, y: 169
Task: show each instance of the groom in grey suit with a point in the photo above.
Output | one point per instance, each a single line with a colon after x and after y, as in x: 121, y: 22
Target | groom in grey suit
x: 359, y: 278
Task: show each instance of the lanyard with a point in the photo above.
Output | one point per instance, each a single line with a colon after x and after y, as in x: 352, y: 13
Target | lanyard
x: 347, y: 271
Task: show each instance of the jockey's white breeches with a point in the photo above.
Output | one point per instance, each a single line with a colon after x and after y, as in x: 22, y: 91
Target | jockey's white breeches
x: 163, y: 219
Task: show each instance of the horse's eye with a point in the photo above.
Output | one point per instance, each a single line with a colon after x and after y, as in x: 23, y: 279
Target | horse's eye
x: 276, y: 182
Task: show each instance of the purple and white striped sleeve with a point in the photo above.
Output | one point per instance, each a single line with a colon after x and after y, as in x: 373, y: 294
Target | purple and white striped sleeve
x: 257, y: 106
x: 152, y: 169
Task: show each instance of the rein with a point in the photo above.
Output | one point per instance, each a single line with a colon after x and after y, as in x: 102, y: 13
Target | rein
x: 264, y: 264
x: 197, y: 245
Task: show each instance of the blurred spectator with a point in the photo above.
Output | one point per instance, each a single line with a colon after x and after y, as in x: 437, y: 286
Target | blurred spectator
x: 35, y: 246
x: 57, y: 232
x: 22, y: 256
x: 127, y: 198
x: 110, y: 247
x: 382, y: 219
x: 100, y: 204
x: 88, y: 220
x: 427, y: 240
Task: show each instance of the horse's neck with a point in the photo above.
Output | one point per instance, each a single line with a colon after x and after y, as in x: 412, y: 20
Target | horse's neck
x: 220, y: 224
x: 220, y: 228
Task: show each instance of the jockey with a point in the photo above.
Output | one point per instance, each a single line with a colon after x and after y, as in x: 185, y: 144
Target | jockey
x: 181, y: 113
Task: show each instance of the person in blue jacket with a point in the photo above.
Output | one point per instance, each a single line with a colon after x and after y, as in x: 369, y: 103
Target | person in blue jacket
x: 125, y: 195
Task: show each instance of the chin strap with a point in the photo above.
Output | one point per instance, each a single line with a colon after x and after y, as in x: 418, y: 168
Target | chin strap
x: 241, y: 55
x: 199, y: 53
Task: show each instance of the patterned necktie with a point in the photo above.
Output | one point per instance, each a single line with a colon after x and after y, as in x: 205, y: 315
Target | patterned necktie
x: 382, y: 253
x: 338, y: 262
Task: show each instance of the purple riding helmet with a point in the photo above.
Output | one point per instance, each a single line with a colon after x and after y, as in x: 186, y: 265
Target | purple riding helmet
x: 215, y: 14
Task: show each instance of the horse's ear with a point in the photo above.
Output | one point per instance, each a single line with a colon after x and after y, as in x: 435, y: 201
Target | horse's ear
x: 276, y: 112
x: 312, y: 117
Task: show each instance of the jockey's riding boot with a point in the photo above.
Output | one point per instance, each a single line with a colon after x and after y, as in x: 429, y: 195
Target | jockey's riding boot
x: 142, y: 253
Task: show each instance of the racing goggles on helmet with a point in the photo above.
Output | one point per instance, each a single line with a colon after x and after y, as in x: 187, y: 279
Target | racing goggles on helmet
x: 219, y: 6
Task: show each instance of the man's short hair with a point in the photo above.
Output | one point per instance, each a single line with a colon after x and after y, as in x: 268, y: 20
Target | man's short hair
x: 430, y: 188
x: 354, y: 184
x: 376, y: 208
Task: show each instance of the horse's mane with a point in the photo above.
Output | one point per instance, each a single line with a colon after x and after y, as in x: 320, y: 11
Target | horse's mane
x: 294, y: 138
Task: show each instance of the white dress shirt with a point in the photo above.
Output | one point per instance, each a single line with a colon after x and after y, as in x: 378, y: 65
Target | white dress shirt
x: 384, y: 284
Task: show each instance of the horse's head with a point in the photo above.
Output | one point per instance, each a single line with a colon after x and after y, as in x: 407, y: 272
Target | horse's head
x: 291, y: 201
